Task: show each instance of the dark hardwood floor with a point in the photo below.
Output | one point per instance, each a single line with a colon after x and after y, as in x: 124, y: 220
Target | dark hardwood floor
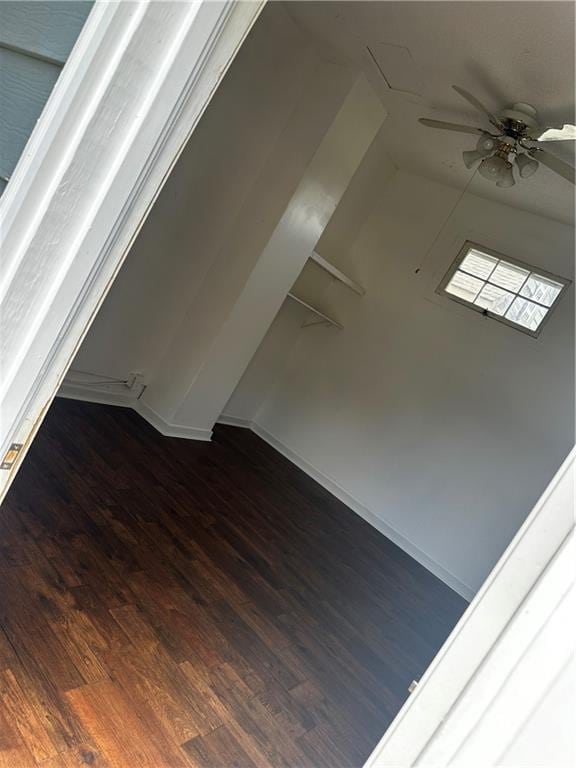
x: 169, y: 603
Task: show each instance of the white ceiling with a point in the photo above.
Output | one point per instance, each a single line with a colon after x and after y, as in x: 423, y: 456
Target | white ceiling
x: 502, y: 52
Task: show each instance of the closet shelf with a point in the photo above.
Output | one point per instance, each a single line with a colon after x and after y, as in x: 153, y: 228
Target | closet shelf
x: 337, y: 273
x: 323, y: 317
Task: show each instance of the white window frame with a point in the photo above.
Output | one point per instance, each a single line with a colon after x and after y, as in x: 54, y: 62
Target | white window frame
x: 469, y: 244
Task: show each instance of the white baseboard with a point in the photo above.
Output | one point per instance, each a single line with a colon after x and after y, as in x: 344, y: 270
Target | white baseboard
x: 191, y: 433
x: 129, y: 399
x: 234, y: 421
x: 387, y: 530
x: 167, y: 428
x: 106, y: 396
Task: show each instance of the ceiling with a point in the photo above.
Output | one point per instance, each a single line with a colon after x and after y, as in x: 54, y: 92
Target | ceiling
x: 502, y: 52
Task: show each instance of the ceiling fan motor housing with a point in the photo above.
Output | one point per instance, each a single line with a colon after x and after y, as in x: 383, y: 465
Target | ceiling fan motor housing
x: 519, y: 117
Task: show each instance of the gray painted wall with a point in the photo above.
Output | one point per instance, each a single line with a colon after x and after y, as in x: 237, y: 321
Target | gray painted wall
x: 35, y: 40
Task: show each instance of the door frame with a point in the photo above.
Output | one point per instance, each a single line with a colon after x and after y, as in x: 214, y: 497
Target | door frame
x: 438, y: 718
x: 131, y: 93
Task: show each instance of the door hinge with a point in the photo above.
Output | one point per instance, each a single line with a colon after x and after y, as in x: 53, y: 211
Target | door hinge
x: 11, y: 455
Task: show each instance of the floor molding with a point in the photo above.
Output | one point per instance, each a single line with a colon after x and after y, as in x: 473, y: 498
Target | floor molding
x: 168, y: 429
x: 106, y: 396
x: 130, y: 400
x: 356, y: 506
x: 234, y: 421
x: 190, y: 433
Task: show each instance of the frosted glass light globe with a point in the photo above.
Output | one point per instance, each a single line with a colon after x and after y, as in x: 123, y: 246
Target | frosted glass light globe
x: 485, y: 144
x: 493, y: 167
x: 471, y: 156
x: 526, y: 165
x: 507, y: 178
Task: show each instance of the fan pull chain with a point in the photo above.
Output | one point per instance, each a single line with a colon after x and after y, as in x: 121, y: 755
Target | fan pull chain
x: 446, y: 220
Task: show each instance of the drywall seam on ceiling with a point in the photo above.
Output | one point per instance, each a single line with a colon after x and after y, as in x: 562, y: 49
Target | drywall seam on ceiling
x: 356, y: 506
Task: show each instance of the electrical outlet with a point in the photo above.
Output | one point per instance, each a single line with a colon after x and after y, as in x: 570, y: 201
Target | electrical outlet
x: 135, y: 381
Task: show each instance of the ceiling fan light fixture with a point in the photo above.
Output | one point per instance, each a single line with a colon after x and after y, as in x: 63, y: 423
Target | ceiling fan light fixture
x: 472, y: 156
x: 493, y: 168
x: 486, y: 144
x: 507, y: 178
x: 510, y: 138
x: 527, y: 166
x: 522, y: 113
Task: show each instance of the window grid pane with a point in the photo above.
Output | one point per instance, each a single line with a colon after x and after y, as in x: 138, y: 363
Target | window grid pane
x: 505, y: 290
x: 464, y: 286
x: 526, y: 313
x: 541, y: 290
x: 478, y: 264
x: 494, y: 299
x: 509, y: 276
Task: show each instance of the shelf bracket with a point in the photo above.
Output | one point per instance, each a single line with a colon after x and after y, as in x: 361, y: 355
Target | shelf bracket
x: 337, y: 273
x: 324, y: 318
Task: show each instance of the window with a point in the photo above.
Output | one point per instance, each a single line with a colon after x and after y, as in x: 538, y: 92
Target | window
x: 506, y: 290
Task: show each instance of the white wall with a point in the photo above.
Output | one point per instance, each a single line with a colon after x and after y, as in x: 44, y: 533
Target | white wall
x: 247, y: 284
x: 254, y: 122
x: 313, y: 284
x: 440, y: 425
x: 246, y: 204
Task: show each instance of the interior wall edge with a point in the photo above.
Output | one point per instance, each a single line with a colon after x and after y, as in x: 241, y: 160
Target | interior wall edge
x: 193, y: 433
x: 464, y: 590
x: 370, y: 517
x: 129, y: 400
x: 235, y: 421
x: 96, y: 395
x: 169, y: 429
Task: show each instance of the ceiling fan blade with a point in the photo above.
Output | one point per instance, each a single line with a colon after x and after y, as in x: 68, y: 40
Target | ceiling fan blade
x: 555, y: 164
x: 566, y: 133
x: 478, y: 105
x: 449, y: 126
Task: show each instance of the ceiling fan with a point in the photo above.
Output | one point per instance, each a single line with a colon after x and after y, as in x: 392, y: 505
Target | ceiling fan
x: 515, y: 139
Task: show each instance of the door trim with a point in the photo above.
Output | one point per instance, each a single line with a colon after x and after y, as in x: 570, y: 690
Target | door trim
x: 131, y: 93
x: 427, y: 717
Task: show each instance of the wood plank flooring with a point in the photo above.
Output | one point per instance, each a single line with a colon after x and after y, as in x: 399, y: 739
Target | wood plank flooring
x: 168, y: 603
